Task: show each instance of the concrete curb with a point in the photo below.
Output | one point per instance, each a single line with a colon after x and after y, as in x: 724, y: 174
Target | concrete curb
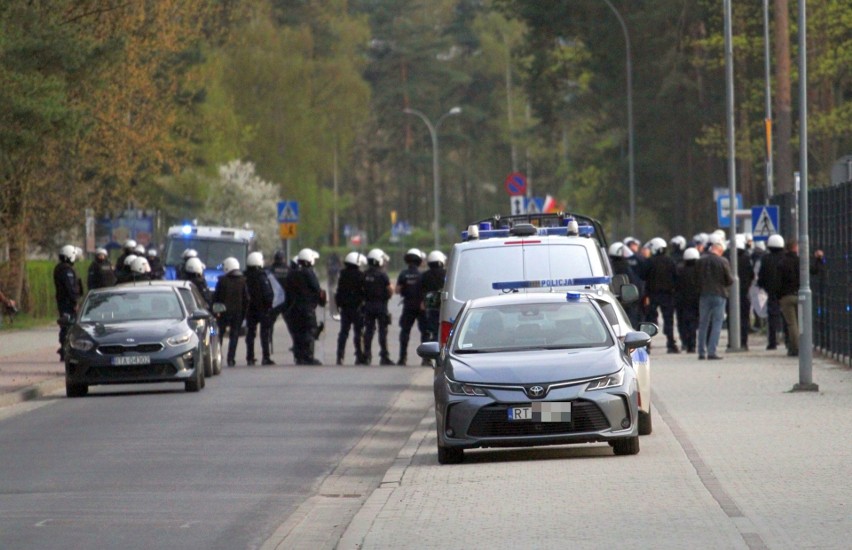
x: 34, y: 391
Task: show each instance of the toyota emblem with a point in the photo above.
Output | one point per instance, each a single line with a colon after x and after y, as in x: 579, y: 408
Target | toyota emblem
x: 535, y: 391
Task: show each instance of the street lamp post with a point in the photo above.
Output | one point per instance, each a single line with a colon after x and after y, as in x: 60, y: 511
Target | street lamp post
x: 631, y: 176
x: 436, y: 165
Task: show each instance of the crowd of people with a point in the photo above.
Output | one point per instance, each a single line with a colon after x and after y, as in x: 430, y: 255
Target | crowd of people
x: 257, y: 296
x: 690, y: 282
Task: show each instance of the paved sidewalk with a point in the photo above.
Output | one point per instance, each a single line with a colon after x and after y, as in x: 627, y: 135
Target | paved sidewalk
x: 736, y: 460
x: 29, y: 365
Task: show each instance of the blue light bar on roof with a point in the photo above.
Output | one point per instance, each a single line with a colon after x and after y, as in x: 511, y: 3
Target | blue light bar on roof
x: 551, y: 283
x: 572, y: 296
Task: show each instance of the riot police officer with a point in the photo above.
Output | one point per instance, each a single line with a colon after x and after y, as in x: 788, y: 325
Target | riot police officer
x: 259, y: 309
x: 408, y: 286
x: 659, y: 278
x: 67, y: 287
x: 194, y: 272
x: 349, y: 299
x: 431, y: 283
x: 378, y: 291
x: 303, y: 295
x: 122, y: 272
x: 126, y: 250
x: 100, y: 271
x: 232, y: 292
x: 140, y: 270
x: 158, y: 272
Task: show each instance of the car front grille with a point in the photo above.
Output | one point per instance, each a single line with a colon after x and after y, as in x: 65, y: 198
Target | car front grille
x: 117, y: 349
x: 132, y: 371
x: 493, y: 421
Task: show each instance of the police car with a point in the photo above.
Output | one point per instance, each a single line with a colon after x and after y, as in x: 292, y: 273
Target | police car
x: 212, y: 243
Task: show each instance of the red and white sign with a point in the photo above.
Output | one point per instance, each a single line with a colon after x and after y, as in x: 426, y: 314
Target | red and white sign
x: 516, y: 184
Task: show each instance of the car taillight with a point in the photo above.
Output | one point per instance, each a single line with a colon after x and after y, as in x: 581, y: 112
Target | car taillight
x: 445, y: 331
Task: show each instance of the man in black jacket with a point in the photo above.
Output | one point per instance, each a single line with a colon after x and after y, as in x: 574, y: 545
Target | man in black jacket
x: 769, y: 280
x: 67, y: 286
x: 259, y: 309
x: 659, y: 285
x: 303, y: 296
x: 349, y: 299
x: 100, y: 271
x: 378, y: 291
x: 788, y: 292
x: 231, y: 291
x: 408, y: 286
x: 687, y: 294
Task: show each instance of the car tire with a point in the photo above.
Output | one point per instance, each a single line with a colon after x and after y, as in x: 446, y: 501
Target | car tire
x: 75, y: 390
x: 626, y: 446
x: 645, y: 425
x: 207, y: 359
x: 195, y: 383
x: 217, y: 359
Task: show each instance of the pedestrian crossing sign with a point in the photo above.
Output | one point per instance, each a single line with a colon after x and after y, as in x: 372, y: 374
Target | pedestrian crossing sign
x: 288, y: 211
x: 764, y: 222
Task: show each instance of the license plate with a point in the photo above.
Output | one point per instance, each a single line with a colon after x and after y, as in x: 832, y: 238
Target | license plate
x: 554, y: 411
x: 122, y: 360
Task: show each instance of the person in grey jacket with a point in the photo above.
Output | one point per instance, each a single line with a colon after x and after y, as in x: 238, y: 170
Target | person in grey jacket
x: 714, y: 273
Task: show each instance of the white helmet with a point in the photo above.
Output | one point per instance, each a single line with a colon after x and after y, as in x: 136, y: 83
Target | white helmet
x: 690, y: 254
x: 720, y: 234
x: 68, y: 253
x: 700, y: 238
x: 631, y: 240
x: 307, y: 256
x: 678, y: 242
x: 414, y: 256
x: 716, y: 239
x: 740, y: 241
x: 152, y: 253
x: 657, y: 245
x: 139, y: 250
x: 101, y: 252
x: 376, y: 257
x: 194, y: 265
x: 255, y: 259
x: 616, y: 250
x: 190, y: 253
x: 775, y: 241
x: 140, y: 265
x: 128, y: 260
x: 129, y: 245
x: 436, y: 257
x: 230, y: 264
x: 355, y: 258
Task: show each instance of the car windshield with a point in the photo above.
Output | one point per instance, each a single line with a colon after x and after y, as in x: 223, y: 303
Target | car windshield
x: 211, y: 252
x: 479, y: 267
x: 116, y: 307
x: 563, y: 325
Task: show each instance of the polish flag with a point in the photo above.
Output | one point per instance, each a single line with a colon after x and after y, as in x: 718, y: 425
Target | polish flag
x: 549, y: 205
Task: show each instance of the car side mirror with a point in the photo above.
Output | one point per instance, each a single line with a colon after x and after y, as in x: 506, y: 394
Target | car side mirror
x: 65, y: 320
x: 218, y: 308
x: 200, y: 315
x: 429, y: 350
x: 634, y: 340
x: 629, y: 294
x: 649, y: 328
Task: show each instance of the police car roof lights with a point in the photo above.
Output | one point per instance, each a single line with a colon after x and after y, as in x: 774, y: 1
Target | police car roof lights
x: 551, y: 283
x: 573, y: 296
x: 585, y: 225
x: 476, y: 232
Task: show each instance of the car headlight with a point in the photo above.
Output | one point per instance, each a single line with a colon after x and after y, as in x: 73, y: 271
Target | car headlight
x: 180, y: 339
x: 81, y: 344
x: 610, y: 381
x: 457, y: 388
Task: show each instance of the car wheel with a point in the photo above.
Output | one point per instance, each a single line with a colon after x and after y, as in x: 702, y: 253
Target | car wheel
x: 626, y: 446
x: 75, y: 390
x: 196, y: 382
x: 217, y: 359
x: 645, y: 427
x: 207, y: 359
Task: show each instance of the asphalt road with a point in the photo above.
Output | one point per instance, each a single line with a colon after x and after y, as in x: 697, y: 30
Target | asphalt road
x: 155, y: 467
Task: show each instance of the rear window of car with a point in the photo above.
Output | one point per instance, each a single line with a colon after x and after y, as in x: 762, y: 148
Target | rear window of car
x: 113, y: 307
x: 478, y: 268
x: 535, y: 325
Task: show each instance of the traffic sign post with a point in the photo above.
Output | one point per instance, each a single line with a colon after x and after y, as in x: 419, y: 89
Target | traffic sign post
x: 516, y: 184
x: 288, y: 211
x: 764, y: 222
x: 517, y: 205
x: 287, y: 230
x: 723, y: 209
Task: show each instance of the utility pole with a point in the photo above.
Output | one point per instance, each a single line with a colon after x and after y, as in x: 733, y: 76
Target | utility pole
x: 734, y: 298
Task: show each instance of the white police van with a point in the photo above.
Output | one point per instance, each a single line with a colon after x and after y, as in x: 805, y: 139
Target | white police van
x: 213, y: 245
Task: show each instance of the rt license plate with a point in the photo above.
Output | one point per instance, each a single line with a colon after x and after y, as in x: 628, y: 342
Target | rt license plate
x: 554, y: 411
x: 131, y: 360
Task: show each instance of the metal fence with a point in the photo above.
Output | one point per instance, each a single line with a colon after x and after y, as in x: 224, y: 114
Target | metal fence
x: 830, y: 229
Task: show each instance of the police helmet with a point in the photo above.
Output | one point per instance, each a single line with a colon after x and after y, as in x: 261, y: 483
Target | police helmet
x: 700, y: 238
x: 355, y: 258
x: 67, y: 254
x: 740, y: 241
x: 152, y: 253
x: 376, y: 257
x: 690, y: 254
x: 717, y: 240
x: 307, y: 256
x: 775, y: 241
x: 230, y: 264
x: 129, y: 245
x: 194, y: 265
x: 657, y: 245
x: 140, y: 265
x: 616, y: 250
x: 414, y: 256
x: 139, y: 250
x: 631, y: 240
x: 436, y: 258
x: 128, y: 260
x: 101, y: 252
x: 255, y: 259
x: 190, y: 253
x: 678, y: 242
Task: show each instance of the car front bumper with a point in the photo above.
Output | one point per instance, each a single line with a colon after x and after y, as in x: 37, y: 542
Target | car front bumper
x: 169, y: 365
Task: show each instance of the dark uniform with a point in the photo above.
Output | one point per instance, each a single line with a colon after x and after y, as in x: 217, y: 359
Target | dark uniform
x: 660, y: 272
x: 431, y: 282
x: 377, y: 294
x: 67, y: 286
x: 259, y: 312
x: 302, y: 291
x: 686, y: 295
x: 349, y: 298
x: 100, y: 274
x: 408, y: 286
x: 158, y: 272
x: 769, y: 280
x: 200, y: 283
x: 745, y: 273
x: 231, y: 291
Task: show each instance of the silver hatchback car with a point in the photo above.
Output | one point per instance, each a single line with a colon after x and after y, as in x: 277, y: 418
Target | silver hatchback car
x: 535, y: 369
